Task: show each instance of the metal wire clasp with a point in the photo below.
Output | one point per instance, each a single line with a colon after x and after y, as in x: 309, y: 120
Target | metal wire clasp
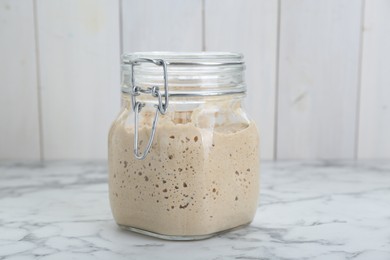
x: 161, y: 107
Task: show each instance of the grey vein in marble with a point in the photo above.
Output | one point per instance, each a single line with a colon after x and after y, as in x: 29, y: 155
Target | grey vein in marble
x: 307, y: 210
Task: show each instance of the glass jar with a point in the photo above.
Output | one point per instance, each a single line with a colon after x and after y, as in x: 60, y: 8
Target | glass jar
x: 183, y: 154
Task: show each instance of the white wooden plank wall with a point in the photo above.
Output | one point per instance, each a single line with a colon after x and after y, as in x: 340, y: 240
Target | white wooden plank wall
x: 79, y: 70
x: 19, y: 118
x: 168, y: 25
x: 374, y: 123
x: 318, y: 78
x: 318, y: 83
x: 249, y: 27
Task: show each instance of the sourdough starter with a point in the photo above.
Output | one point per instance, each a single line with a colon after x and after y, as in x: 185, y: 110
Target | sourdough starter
x: 194, y: 181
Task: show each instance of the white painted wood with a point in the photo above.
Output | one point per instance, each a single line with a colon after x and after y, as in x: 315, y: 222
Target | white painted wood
x: 318, y: 78
x: 79, y: 64
x: 155, y: 25
x: 374, y: 122
x: 79, y: 69
x: 19, y: 127
x: 249, y: 27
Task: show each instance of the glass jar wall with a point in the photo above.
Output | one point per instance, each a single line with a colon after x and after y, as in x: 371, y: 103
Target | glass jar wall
x: 200, y: 175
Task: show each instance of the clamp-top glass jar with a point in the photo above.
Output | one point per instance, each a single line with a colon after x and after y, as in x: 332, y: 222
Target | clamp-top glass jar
x: 183, y: 155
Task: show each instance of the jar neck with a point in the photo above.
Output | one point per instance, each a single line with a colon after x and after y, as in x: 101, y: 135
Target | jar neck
x: 187, y: 74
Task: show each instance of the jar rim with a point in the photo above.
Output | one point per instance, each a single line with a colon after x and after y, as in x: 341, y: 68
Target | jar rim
x: 189, y: 58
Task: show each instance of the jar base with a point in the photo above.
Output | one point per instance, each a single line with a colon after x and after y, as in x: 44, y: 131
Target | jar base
x: 179, y: 238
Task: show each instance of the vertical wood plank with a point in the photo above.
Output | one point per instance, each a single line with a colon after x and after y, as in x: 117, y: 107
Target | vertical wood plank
x: 19, y: 129
x: 318, y: 78
x: 374, y: 123
x: 249, y: 27
x: 79, y: 57
x: 169, y: 25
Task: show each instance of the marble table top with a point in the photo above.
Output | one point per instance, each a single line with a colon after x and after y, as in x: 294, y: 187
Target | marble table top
x: 307, y: 210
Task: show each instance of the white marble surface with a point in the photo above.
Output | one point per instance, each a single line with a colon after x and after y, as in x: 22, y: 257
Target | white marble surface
x: 308, y: 210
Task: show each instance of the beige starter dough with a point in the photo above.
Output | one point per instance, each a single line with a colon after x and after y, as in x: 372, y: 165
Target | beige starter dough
x: 195, y: 181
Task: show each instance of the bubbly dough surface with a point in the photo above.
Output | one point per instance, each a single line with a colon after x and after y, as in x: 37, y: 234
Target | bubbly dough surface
x: 194, y: 181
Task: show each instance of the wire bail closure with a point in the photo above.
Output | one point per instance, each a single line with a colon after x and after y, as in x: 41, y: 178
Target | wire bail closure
x: 161, y: 107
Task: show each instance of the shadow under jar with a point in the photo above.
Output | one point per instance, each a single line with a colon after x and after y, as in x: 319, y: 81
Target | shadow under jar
x: 183, y: 154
